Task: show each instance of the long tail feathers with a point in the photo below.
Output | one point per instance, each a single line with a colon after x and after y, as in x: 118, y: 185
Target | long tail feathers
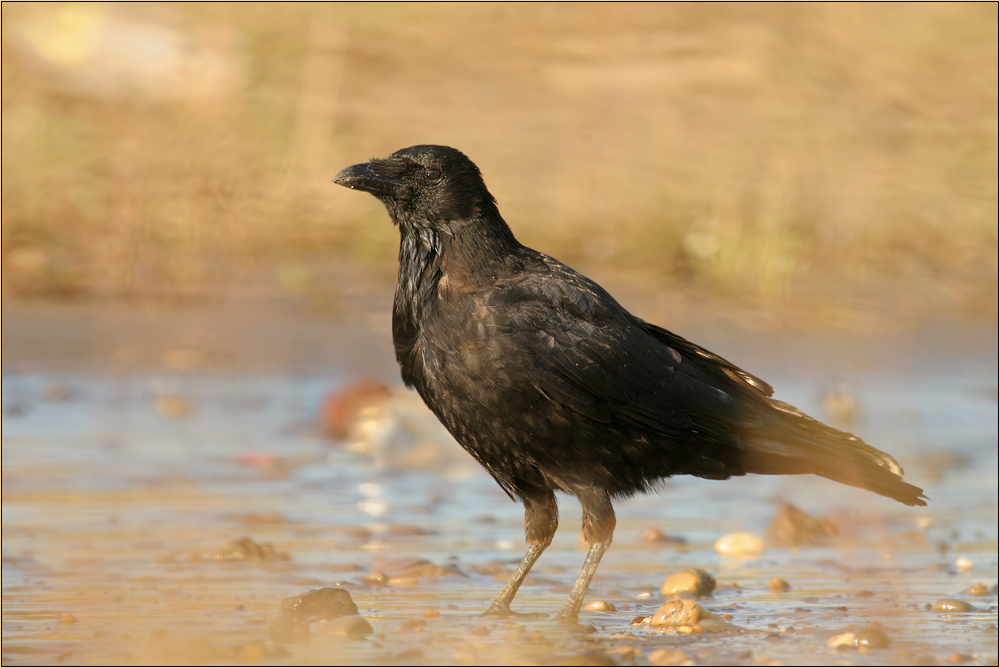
x: 797, y: 443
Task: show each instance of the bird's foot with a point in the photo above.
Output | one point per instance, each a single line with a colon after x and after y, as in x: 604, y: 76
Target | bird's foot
x: 567, y: 618
x: 498, y: 612
x: 504, y: 612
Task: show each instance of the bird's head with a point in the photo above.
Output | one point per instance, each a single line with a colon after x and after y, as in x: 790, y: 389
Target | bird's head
x: 423, y: 185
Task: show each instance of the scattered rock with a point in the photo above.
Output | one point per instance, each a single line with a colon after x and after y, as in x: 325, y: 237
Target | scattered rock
x: 376, y: 579
x: 427, y: 570
x: 410, y: 626
x: 872, y: 638
x: 245, y: 549
x: 430, y: 613
x: 669, y: 657
x: 655, y: 536
x: 411, y: 567
x: 950, y: 605
x: 67, y: 618
x: 693, y: 581
x: 352, y: 627
x: 778, y: 585
x: 495, y: 567
x: 739, y: 545
x: 793, y: 527
x: 677, y: 612
x: 320, y: 604
x: 393, y: 427
x: 343, y: 407
x: 600, y: 606
x: 964, y: 565
x: 841, y: 640
x: 979, y: 589
x: 358, y: 533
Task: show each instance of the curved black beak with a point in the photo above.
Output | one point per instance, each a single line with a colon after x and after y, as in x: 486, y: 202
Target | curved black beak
x: 364, y: 177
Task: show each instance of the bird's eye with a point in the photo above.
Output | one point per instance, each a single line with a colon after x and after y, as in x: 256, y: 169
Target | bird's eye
x: 433, y: 173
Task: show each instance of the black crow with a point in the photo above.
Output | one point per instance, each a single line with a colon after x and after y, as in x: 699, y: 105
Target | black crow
x: 553, y: 386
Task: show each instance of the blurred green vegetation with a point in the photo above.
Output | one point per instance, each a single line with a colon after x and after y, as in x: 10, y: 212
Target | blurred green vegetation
x: 785, y: 154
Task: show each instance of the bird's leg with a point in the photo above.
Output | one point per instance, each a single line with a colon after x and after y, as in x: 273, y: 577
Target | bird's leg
x: 598, y: 528
x: 541, y: 517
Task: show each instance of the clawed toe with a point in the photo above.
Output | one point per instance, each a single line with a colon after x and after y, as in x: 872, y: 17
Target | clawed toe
x: 498, y: 612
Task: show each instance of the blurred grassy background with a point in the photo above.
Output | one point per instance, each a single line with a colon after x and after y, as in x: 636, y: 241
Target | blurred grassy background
x: 824, y: 156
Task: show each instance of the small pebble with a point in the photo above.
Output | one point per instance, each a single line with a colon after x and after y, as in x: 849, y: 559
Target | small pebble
x: 676, y: 612
x: 600, y: 606
x: 841, y: 640
x: 691, y: 580
x: 319, y: 604
x: 376, y: 579
x: 792, y: 526
x: 740, y: 545
x: 872, y: 638
x: 246, y: 549
x: 949, y: 605
x: 964, y: 565
x: 669, y: 657
x: 67, y: 618
x: 655, y: 536
x: 343, y: 407
x: 978, y: 589
x: 430, y: 613
x: 410, y: 626
x: 640, y: 619
x: 352, y: 627
x: 427, y: 570
x: 778, y: 585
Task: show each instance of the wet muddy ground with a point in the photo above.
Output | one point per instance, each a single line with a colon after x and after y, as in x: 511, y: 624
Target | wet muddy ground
x: 164, y: 513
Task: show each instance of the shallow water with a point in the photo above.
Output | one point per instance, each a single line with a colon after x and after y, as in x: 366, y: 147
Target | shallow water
x: 119, y: 489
